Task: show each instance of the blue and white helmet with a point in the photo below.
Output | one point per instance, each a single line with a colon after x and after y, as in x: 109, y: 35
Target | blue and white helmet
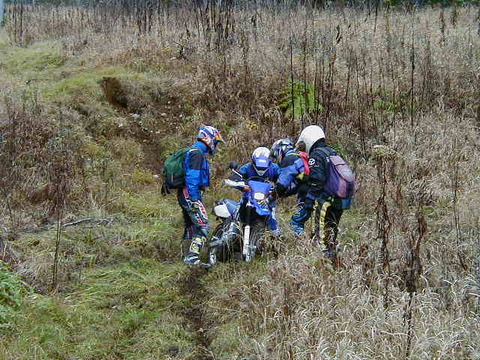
x: 280, y: 149
x: 261, y: 160
x: 210, y: 136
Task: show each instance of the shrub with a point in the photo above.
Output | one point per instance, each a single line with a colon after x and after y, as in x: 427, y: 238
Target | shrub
x: 11, y: 291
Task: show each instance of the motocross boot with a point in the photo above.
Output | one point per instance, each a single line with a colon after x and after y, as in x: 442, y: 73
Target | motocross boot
x: 193, y: 257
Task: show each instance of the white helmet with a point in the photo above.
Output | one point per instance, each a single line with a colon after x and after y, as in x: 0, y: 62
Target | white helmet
x: 310, y: 135
x: 261, y: 160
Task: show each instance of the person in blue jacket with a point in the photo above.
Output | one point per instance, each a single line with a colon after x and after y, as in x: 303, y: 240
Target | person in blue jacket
x: 293, y: 173
x: 263, y: 167
x: 294, y: 170
x: 197, y: 178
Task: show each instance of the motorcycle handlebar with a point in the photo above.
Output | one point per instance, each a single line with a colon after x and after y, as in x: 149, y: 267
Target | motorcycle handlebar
x: 235, y: 184
x: 243, y: 185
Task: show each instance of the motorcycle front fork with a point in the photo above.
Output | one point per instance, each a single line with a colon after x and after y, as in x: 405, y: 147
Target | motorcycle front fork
x: 246, y: 241
x: 246, y: 251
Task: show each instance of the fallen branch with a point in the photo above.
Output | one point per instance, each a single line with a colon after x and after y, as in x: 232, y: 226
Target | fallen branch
x: 105, y: 221
x: 72, y: 223
x: 80, y: 221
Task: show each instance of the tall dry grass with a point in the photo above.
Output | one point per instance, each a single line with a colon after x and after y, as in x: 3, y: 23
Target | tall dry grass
x: 409, y: 81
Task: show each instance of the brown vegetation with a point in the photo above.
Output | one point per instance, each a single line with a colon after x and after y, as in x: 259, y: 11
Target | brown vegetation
x: 407, y: 81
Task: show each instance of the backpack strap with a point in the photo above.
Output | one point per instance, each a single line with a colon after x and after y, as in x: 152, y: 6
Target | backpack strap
x: 304, y: 157
x: 188, y: 153
x: 326, y: 151
x: 192, y: 148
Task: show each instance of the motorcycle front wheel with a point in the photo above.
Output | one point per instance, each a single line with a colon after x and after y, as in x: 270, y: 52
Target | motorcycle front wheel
x: 256, y: 241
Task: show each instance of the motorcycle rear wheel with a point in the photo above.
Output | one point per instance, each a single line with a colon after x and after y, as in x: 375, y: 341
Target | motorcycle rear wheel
x: 220, y: 253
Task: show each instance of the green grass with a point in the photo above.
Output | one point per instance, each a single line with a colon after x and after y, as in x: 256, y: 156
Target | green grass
x: 76, y: 86
x: 11, y: 293
x: 131, y: 307
x: 145, y: 226
x: 299, y: 98
x: 149, y: 204
x: 59, y: 79
x: 22, y: 61
x: 130, y: 311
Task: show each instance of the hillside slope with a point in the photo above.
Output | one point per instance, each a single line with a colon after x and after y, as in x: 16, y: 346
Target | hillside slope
x: 90, y: 250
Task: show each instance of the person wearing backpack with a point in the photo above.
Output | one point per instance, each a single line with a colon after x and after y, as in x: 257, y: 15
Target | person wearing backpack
x: 331, y: 184
x: 294, y: 170
x: 196, y: 179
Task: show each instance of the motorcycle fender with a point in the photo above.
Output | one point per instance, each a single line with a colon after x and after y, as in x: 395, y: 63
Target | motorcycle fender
x: 221, y: 211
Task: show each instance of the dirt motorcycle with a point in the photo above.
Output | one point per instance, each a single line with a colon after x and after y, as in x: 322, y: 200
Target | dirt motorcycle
x: 239, y: 236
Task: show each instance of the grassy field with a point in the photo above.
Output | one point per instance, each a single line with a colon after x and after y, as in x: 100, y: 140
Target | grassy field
x: 92, y: 100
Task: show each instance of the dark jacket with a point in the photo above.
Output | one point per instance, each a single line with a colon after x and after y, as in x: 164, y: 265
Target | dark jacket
x: 318, y: 168
x: 319, y: 174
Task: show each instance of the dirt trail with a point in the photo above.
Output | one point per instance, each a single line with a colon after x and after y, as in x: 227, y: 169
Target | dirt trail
x: 194, y: 313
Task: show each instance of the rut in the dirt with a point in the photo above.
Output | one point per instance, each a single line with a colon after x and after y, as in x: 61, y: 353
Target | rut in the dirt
x: 194, y: 314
